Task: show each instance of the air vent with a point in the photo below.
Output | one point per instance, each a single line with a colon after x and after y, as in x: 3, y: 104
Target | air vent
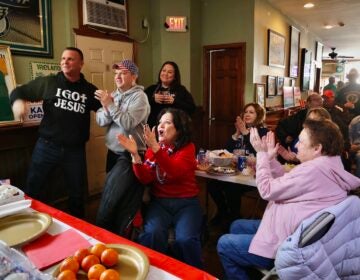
x: 105, y: 14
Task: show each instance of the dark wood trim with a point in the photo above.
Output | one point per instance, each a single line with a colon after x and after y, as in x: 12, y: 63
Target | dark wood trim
x: 206, y: 77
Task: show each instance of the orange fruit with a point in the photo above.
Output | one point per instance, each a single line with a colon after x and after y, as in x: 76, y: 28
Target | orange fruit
x: 66, y: 275
x: 109, y: 257
x: 110, y: 274
x: 80, y: 254
x: 97, y: 249
x: 89, y: 261
x: 95, y: 271
x: 70, y: 263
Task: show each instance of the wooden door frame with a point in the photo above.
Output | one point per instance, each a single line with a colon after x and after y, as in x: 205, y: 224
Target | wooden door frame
x: 206, y: 76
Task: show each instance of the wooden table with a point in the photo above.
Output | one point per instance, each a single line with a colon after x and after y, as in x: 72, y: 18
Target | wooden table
x: 239, y: 179
x: 236, y: 179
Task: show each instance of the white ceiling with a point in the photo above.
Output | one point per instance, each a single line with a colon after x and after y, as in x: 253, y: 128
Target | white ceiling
x: 345, y: 38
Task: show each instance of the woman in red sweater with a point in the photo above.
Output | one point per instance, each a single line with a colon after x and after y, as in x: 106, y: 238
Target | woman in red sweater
x: 169, y: 165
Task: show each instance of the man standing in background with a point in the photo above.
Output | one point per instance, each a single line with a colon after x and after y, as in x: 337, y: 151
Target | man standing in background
x: 67, y: 101
x: 349, y: 96
x: 331, y: 85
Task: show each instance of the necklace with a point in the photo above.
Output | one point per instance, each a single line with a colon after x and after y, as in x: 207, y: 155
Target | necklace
x: 160, y: 175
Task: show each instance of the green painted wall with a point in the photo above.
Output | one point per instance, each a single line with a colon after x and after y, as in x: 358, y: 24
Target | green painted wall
x: 231, y: 21
x: 139, y: 10
x: 210, y: 22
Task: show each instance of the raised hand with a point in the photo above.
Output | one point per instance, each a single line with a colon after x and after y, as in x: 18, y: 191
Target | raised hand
x: 150, y: 138
x: 128, y: 143
x: 258, y: 144
x: 104, y: 97
x: 271, y: 147
x: 287, y: 154
x: 240, y: 126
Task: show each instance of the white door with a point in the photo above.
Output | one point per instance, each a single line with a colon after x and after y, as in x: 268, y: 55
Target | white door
x: 99, y: 56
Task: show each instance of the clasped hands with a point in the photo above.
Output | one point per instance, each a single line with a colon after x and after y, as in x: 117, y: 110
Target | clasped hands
x: 163, y: 98
x: 264, y: 144
x: 240, y: 127
x: 130, y: 145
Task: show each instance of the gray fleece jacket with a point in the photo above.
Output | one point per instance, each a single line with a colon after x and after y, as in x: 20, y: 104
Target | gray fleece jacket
x: 126, y: 115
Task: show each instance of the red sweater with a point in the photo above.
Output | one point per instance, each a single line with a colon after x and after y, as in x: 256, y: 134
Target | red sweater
x: 174, y: 175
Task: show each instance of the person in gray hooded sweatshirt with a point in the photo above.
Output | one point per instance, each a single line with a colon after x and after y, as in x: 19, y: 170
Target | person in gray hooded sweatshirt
x: 124, y: 111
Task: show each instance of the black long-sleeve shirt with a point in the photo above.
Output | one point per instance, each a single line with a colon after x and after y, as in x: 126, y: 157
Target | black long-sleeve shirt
x: 66, y: 107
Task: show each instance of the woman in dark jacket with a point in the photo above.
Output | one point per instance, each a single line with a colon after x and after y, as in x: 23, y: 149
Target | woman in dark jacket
x: 168, y: 92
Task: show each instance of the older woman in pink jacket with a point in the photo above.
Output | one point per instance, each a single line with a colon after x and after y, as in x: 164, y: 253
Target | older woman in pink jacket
x: 317, y: 183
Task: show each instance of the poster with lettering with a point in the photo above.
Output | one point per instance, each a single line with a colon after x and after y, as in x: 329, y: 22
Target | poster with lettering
x: 40, y: 69
x: 34, y: 110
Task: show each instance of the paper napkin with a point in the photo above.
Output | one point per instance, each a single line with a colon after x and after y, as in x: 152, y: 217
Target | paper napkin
x: 50, y: 249
x: 14, y: 207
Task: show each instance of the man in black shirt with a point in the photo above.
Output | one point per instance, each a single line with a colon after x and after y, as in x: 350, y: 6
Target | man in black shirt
x: 67, y: 101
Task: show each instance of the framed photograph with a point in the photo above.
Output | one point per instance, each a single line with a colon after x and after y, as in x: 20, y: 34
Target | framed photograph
x: 271, y: 86
x: 7, y: 84
x: 294, y: 52
x: 276, y: 49
x: 280, y: 85
x: 297, y: 96
x: 319, y: 52
x: 260, y: 94
x: 305, y: 69
x: 288, y: 97
x: 26, y: 27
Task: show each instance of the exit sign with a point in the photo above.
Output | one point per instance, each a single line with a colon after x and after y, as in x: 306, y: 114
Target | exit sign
x: 176, y: 24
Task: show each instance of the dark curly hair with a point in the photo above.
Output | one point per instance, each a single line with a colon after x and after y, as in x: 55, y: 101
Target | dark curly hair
x: 182, y: 123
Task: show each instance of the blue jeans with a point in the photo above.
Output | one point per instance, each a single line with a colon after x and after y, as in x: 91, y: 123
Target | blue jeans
x: 45, y: 157
x: 185, y: 215
x: 233, y: 249
x: 121, y: 197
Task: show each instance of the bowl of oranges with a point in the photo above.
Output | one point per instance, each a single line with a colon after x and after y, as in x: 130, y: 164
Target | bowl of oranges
x: 104, y: 262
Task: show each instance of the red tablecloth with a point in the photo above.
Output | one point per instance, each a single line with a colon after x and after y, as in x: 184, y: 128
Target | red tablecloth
x: 159, y: 260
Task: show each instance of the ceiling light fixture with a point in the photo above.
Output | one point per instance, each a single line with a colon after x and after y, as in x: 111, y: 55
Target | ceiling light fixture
x: 309, y: 5
x: 328, y: 26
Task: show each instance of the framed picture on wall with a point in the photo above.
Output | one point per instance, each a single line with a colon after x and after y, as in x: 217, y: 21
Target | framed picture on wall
x: 271, y: 86
x: 260, y: 94
x: 294, y: 52
x: 7, y: 84
x: 26, y: 27
x: 305, y: 69
x: 319, y: 52
x: 276, y: 49
x: 279, y: 85
x: 288, y: 97
x: 297, y: 96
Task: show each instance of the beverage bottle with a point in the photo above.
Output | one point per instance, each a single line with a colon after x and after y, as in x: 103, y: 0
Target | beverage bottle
x: 201, y: 156
x: 239, y: 142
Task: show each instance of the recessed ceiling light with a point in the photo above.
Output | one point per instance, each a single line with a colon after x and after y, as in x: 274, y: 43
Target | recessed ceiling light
x: 309, y: 5
x: 328, y: 26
